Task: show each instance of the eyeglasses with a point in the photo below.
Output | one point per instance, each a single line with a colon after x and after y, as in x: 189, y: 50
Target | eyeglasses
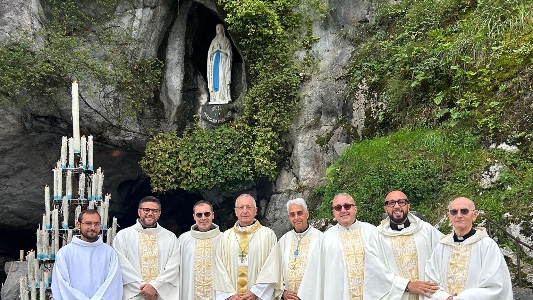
x: 245, y: 207
x: 147, y: 210
x: 91, y: 224
x: 346, y: 206
x: 206, y: 214
x: 464, y: 211
x: 401, y: 202
x: 294, y: 214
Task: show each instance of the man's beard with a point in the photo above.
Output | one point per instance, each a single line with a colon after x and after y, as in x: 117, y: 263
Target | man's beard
x: 398, y: 220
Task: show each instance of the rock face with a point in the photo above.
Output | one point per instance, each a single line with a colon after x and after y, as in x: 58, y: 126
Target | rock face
x: 178, y: 33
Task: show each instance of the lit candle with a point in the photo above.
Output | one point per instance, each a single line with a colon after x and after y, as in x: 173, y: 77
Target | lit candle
x: 83, y: 150
x: 76, y: 116
x: 70, y: 152
x: 63, y: 158
x: 90, y: 152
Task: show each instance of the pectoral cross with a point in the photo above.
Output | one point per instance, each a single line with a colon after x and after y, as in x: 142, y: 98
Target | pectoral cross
x: 243, y: 257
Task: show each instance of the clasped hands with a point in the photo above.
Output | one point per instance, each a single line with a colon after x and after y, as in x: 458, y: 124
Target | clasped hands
x: 148, y: 292
x: 425, y: 288
x: 247, y: 296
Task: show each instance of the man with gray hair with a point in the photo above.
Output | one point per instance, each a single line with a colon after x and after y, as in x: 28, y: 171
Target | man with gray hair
x: 247, y: 262
x: 467, y: 263
x: 295, y: 246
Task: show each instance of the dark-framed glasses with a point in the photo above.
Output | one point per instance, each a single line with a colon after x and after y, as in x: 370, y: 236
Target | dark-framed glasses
x: 346, y: 206
x: 206, y: 214
x: 401, y: 202
x: 91, y: 224
x: 245, y: 207
x: 147, y: 210
x: 293, y: 214
x: 464, y: 211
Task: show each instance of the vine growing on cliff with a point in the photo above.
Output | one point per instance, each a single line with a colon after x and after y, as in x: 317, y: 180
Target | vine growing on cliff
x: 232, y: 157
x: 76, y: 43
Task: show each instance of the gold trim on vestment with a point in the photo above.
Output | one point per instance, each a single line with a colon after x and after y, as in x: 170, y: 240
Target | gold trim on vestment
x: 354, y: 258
x: 203, y: 269
x: 406, y: 258
x: 244, y: 243
x: 458, y: 262
x: 149, y: 256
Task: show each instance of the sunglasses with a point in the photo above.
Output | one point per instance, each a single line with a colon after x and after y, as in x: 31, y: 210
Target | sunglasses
x: 294, y: 214
x: 464, y: 211
x: 206, y: 214
x: 346, y: 207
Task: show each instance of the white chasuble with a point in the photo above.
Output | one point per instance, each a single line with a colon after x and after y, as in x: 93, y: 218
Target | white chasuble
x: 295, y: 249
x: 402, y: 256
x: 144, y: 253
x: 475, y: 269
x: 337, y: 265
x: 197, y: 251
x: 246, y: 260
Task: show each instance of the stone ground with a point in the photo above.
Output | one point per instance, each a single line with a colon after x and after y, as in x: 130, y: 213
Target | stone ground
x: 523, y: 293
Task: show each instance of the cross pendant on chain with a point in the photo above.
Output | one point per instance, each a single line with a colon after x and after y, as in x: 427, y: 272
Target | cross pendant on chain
x: 242, y: 256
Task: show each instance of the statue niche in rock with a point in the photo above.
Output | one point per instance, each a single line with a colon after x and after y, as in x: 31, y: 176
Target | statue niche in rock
x: 219, y: 59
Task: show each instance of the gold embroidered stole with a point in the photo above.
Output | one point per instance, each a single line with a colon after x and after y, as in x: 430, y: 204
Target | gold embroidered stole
x: 457, y: 273
x: 406, y: 257
x: 354, y: 257
x: 203, y: 268
x: 149, y: 256
x: 297, y: 263
x: 244, y: 238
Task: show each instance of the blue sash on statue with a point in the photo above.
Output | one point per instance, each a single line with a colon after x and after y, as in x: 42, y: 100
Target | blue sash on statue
x: 216, y: 71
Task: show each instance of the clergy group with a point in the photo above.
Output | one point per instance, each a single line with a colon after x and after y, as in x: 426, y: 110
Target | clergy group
x: 402, y: 258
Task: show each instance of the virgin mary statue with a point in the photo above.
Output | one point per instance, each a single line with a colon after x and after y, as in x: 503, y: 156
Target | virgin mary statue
x: 219, y: 68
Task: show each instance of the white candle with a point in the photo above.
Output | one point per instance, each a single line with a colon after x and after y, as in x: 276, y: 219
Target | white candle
x: 42, y: 290
x: 59, y: 184
x: 47, y: 199
x: 39, y: 243
x: 90, y: 152
x: 81, y: 186
x: 65, y: 212
x: 55, y: 182
x: 105, y: 213
x: 70, y: 152
x: 33, y: 291
x: 94, y: 185
x: 76, y: 116
x: 69, y: 185
x: 83, y: 151
x: 45, y: 242
x: 56, y: 232
x: 69, y: 236
x: 63, y: 158
x: 77, y: 213
x: 100, y: 186
x: 91, y: 204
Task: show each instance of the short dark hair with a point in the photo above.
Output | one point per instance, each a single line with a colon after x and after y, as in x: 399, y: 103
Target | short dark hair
x: 149, y: 199
x: 201, y: 202
x: 89, y: 212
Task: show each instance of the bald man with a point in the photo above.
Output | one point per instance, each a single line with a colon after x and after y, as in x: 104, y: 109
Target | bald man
x: 467, y: 263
